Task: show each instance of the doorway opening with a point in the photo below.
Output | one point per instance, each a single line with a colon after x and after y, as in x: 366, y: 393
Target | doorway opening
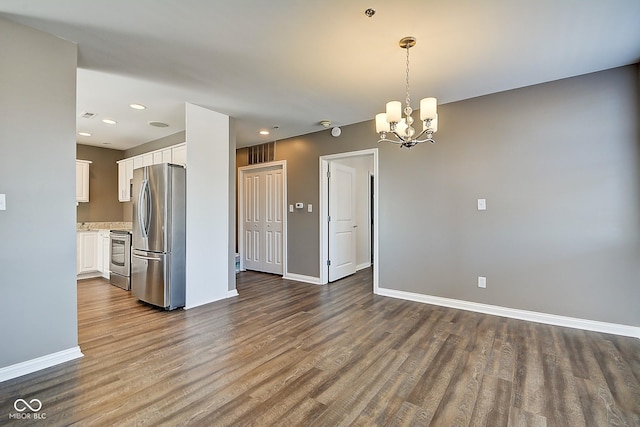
x: 349, y: 214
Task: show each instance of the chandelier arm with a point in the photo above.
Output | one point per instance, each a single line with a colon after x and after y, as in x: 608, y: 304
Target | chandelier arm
x: 391, y: 141
x: 429, y: 136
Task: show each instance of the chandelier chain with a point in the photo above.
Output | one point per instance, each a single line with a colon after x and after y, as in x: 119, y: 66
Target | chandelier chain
x: 408, y: 98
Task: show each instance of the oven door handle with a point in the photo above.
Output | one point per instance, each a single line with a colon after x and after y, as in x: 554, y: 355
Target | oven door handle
x: 146, y: 257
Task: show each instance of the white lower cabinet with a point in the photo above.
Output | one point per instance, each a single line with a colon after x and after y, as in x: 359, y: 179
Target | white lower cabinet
x: 93, y: 253
x: 87, y: 252
x: 103, y: 253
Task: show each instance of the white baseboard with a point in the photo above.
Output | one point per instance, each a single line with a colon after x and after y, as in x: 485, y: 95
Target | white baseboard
x: 232, y: 293
x: 33, y: 365
x: 531, y: 316
x: 89, y: 275
x: 363, y: 266
x: 302, y: 278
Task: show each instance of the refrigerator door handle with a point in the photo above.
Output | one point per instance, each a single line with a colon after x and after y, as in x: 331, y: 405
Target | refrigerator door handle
x: 144, y: 217
x: 146, y: 257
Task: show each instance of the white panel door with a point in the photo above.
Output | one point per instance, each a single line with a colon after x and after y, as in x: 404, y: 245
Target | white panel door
x: 342, y: 221
x: 273, y: 201
x: 252, y: 227
x: 263, y: 218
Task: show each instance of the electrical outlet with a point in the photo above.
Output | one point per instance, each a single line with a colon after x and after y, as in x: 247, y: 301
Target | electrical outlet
x: 482, y: 282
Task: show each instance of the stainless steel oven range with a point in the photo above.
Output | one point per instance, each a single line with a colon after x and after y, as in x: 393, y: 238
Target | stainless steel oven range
x: 120, y: 259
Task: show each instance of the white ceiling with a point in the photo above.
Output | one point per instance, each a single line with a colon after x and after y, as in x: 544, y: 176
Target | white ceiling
x: 293, y: 63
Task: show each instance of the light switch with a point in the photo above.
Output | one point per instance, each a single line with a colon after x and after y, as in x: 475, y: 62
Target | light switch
x: 290, y: 208
x: 3, y: 202
x: 482, y: 282
x: 309, y: 207
x: 482, y: 204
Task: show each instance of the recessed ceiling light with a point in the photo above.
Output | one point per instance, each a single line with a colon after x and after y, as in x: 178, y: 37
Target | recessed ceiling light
x: 137, y: 106
x: 84, y: 134
x: 264, y: 132
x: 109, y: 121
x: 158, y: 124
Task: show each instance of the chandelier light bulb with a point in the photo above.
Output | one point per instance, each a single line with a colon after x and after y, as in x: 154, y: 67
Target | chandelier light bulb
x: 394, y: 111
x: 428, y: 108
x: 382, y: 125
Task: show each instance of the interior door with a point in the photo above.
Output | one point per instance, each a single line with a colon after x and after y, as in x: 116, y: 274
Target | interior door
x: 342, y: 221
x: 263, y: 219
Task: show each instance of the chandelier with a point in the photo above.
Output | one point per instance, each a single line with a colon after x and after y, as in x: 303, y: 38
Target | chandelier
x: 402, y: 127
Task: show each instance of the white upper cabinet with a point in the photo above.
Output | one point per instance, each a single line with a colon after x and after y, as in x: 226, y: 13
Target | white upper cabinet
x: 82, y: 180
x: 179, y: 154
x: 125, y: 174
x: 176, y: 154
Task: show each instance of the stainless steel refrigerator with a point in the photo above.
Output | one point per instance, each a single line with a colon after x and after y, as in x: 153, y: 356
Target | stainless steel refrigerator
x: 159, y: 235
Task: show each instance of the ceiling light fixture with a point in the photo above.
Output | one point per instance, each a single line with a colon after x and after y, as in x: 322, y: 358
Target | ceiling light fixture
x: 158, y: 124
x: 402, y: 127
x: 264, y: 132
x: 84, y: 134
x: 137, y: 106
x: 109, y: 121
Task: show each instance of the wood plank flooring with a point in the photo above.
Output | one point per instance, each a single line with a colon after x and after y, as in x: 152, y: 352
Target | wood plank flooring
x: 292, y: 354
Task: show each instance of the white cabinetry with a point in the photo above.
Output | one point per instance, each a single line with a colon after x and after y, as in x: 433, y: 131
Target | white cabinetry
x: 125, y: 174
x: 176, y: 154
x: 147, y: 159
x: 137, y: 162
x: 166, y: 156
x: 87, y: 252
x: 82, y: 180
x: 179, y: 154
x: 104, y: 255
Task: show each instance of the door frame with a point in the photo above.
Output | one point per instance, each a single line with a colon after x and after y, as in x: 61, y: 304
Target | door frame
x: 324, y: 212
x: 242, y: 171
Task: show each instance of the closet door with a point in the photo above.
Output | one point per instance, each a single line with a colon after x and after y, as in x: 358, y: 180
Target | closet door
x: 263, y: 218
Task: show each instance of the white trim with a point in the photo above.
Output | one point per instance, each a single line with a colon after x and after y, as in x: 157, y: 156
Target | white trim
x: 323, y: 211
x: 232, y: 293
x: 303, y: 278
x: 33, y: 365
x: 285, y: 212
x: 363, y: 266
x: 531, y: 316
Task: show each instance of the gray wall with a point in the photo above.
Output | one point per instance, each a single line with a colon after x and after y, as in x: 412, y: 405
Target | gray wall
x: 103, y: 202
x: 559, y: 165
x: 37, y: 173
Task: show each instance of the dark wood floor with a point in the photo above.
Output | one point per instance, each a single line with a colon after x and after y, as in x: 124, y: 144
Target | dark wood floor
x: 287, y: 353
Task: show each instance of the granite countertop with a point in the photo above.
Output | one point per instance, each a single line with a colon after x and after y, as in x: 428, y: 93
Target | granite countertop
x: 114, y: 225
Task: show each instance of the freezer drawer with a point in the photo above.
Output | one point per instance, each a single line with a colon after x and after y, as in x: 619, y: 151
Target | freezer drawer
x: 155, y: 280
